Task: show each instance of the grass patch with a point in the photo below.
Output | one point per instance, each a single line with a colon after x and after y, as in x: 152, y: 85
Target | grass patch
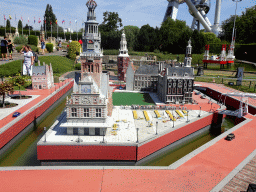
x: 60, y: 65
x: 132, y: 99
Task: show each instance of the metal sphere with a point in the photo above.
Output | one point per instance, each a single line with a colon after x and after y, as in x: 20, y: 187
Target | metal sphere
x: 202, y: 5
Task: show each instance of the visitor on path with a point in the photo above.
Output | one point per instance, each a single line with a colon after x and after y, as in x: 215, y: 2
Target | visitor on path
x: 33, y: 57
x: 10, y: 49
x: 4, y: 46
x: 28, y: 61
x: 43, y: 46
x: 60, y: 46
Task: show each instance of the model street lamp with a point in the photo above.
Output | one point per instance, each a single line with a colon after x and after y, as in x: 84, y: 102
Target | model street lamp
x: 156, y: 127
x: 199, y: 115
x: 172, y: 118
x: 44, y: 134
x: 187, y: 117
x: 137, y: 135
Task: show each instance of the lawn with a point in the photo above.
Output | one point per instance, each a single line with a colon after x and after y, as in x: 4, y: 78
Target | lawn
x: 60, y: 65
x: 132, y: 99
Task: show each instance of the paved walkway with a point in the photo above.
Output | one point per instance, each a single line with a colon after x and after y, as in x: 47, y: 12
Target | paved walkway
x: 210, y: 167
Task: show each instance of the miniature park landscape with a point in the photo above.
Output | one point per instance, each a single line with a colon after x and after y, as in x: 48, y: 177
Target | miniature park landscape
x: 187, y: 111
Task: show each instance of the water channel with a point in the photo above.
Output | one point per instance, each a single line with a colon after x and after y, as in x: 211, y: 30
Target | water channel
x: 24, y: 153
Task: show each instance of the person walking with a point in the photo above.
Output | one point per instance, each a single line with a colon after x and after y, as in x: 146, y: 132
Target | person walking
x: 10, y: 49
x: 43, y: 46
x: 60, y: 46
x: 28, y: 60
x: 4, y: 46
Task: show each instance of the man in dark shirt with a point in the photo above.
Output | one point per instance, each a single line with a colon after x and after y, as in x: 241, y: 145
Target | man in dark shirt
x: 4, y: 46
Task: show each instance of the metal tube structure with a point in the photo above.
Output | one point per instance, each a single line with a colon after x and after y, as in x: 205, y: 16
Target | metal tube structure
x: 198, y: 15
x: 217, y: 13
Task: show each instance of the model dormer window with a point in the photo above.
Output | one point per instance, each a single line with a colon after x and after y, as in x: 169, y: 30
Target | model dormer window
x: 174, y: 74
x: 185, y: 75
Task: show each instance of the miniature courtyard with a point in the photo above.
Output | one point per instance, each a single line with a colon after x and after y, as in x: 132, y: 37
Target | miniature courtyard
x: 124, y: 123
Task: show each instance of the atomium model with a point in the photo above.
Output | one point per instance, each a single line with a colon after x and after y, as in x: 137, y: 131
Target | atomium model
x: 198, y: 9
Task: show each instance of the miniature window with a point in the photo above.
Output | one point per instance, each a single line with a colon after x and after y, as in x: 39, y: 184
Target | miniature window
x: 179, y: 91
x: 86, y: 112
x: 169, y: 90
x: 98, y: 112
x: 74, y: 112
x: 174, y: 74
x: 185, y: 74
x: 135, y: 77
x: 185, y: 89
x: 174, y: 91
x: 189, y: 89
x: 135, y: 83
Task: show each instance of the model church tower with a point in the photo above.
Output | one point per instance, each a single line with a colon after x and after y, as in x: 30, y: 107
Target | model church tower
x: 123, y: 59
x: 188, y: 57
x: 91, y: 57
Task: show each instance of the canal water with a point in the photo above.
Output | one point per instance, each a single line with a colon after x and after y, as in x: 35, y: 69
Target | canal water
x: 24, y: 153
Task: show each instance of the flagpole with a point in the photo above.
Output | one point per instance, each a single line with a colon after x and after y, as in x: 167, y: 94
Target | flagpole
x: 10, y: 26
x: 57, y: 30
x: 70, y: 31
x: 51, y: 31
x: 64, y: 31
x: 22, y: 25
x: 28, y: 27
x: 76, y: 31
x: 4, y: 26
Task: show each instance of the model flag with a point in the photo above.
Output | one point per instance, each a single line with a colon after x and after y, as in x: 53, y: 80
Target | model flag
x: 56, y: 22
x: 34, y: 19
x: 50, y: 23
x: 63, y: 21
x: 10, y: 17
x: 75, y: 21
x: 39, y: 20
x: 21, y: 19
x: 15, y: 17
x: 70, y: 23
x: 28, y: 19
x: 4, y: 17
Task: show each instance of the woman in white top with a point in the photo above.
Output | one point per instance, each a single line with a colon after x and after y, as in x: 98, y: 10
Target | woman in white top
x: 28, y: 60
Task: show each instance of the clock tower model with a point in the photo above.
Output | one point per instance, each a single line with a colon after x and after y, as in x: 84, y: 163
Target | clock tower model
x: 123, y: 59
x: 91, y: 57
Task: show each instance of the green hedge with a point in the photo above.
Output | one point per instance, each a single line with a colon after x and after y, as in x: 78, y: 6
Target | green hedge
x: 21, y: 40
x: 49, y: 47
x: 32, y: 40
x: 10, y: 69
x: 74, y: 47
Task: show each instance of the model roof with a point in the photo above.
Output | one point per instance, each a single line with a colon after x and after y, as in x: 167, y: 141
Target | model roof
x: 147, y: 69
x: 39, y: 70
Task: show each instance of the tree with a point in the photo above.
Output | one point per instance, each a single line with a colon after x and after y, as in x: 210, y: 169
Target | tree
x: 5, y: 88
x: 27, y: 27
x: 19, y: 81
x: 170, y: 35
x: 19, y: 24
x: 245, y: 27
x: 50, y: 18
x: 146, y: 39
x: 111, y: 22
x: 198, y: 42
x: 131, y: 33
x: 8, y: 24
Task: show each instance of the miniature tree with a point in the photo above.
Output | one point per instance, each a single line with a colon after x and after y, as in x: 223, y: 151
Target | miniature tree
x: 5, y: 87
x: 19, y: 81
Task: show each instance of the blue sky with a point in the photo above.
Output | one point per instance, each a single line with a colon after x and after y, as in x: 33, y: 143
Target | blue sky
x: 132, y: 12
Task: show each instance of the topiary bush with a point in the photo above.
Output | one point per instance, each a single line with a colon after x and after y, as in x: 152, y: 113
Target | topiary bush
x: 49, y: 47
x: 74, y: 47
x: 32, y: 40
x: 20, y: 40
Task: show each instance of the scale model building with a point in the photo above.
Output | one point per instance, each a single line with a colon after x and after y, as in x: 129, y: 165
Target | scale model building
x: 42, y: 77
x: 123, y: 58
x: 90, y: 102
x: 172, y: 82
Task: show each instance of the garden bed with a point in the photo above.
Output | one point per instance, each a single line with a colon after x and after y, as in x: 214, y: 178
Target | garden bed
x: 120, y: 98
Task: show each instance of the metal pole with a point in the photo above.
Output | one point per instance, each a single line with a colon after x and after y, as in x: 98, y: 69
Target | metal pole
x: 57, y: 30
x: 76, y: 31
x: 156, y: 127
x: 51, y: 31
x: 173, y: 118
x: 10, y: 27
x: 199, y: 115
x: 187, y: 117
x: 233, y: 33
x: 137, y: 135
x: 103, y: 137
x: 5, y: 26
x: 44, y: 134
